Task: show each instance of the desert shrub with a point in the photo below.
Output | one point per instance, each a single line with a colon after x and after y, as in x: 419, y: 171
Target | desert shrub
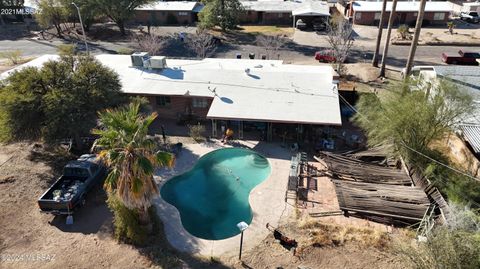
x: 455, y: 245
x: 402, y: 30
x: 125, y: 51
x: 13, y: 56
x: 197, y: 132
x: 126, y: 222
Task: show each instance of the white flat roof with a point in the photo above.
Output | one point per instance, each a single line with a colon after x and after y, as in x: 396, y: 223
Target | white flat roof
x: 403, y: 6
x: 172, y: 6
x: 298, y: 6
x: 272, y: 91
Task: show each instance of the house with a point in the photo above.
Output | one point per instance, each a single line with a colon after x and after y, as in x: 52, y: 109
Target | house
x: 368, y: 12
x: 278, y: 12
x: 168, y: 13
x: 265, y: 98
x: 467, y: 78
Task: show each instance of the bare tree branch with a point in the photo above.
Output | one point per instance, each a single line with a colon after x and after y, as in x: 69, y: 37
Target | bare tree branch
x: 340, y: 39
x: 271, y: 44
x: 202, y: 43
x: 151, y: 43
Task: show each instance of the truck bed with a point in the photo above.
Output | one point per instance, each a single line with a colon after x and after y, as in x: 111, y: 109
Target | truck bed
x: 62, y: 203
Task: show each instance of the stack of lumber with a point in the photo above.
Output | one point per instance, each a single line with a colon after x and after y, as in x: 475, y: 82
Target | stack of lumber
x: 345, y: 167
x: 396, y: 202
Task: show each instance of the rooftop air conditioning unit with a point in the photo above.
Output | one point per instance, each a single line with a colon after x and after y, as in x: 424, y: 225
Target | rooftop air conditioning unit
x: 138, y: 58
x: 158, y: 62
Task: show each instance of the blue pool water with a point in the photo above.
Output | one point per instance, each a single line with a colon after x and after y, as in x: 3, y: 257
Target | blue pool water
x: 213, y: 196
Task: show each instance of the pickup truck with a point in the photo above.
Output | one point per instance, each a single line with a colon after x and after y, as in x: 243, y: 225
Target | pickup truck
x: 470, y: 16
x: 467, y: 58
x: 70, y: 190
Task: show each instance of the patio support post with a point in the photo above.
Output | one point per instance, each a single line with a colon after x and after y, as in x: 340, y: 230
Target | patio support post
x: 214, y: 128
x: 269, y: 131
x: 293, y: 21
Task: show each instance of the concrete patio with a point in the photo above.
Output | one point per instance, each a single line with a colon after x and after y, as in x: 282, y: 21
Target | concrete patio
x: 267, y: 200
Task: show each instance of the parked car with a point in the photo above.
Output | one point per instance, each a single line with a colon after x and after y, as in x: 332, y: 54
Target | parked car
x: 319, y: 25
x: 326, y: 56
x: 69, y: 191
x: 301, y: 25
x: 467, y: 58
x: 470, y: 16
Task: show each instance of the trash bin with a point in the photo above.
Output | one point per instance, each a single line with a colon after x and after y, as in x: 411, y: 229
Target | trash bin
x: 238, y: 56
x: 263, y: 56
x: 251, y: 55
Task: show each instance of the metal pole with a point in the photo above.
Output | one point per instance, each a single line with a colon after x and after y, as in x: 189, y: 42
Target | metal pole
x: 81, y: 24
x: 241, y: 245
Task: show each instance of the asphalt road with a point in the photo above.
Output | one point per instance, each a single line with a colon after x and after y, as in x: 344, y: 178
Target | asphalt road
x: 425, y: 55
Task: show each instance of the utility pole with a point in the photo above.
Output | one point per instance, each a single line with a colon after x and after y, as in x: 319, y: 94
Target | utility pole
x: 379, y: 35
x: 387, y: 41
x: 83, y: 30
x: 418, y: 28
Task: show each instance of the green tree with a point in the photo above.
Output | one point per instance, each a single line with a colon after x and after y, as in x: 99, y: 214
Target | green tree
x: 222, y: 13
x: 411, y: 115
x: 88, y: 9
x: 120, y: 11
x: 132, y: 157
x: 51, y: 12
x: 58, y: 100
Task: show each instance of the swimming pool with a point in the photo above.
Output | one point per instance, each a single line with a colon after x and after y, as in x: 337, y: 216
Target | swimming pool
x: 213, y: 196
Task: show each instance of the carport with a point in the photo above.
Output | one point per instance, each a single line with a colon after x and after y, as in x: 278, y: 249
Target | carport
x: 310, y: 12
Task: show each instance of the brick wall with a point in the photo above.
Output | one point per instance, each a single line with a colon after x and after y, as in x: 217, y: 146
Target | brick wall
x: 368, y: 18
x: 157, y: 17
x: 178, y: 105
x: 280, y: 18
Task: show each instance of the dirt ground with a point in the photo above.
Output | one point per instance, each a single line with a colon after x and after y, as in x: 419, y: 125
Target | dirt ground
x: 29, y: 239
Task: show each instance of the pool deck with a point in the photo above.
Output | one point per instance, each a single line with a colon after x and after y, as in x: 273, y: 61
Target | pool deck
x: 267, y: 201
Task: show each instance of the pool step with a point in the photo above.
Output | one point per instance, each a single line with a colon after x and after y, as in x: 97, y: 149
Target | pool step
x: 259, y: 161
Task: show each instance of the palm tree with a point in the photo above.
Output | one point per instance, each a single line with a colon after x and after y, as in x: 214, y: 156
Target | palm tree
x: 391, y: 19
x: 132, y: 157
x: 379, y: 35
x: 418, y: 28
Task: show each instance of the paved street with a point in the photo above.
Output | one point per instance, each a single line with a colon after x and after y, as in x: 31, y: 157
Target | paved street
x: 301, y: 50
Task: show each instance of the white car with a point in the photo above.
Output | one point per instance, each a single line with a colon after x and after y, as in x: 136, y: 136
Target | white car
x: 471, y: 16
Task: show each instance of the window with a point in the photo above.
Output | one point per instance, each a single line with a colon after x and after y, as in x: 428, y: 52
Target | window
x: 163, y: 100
x: 200, y: 102
x: 280, y: 15
x: 415, y: 14
x: 377, y: 15
x: 181, y: 13
x: 358, y: 15
x: 439, y: 16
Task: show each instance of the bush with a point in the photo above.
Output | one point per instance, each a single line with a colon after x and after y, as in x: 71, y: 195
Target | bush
x: 13, y: 56
x: 197, y: 132
x: 402, y: 30
x: 126, y: 223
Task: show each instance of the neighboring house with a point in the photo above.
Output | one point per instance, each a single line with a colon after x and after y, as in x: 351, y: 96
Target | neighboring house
x: 168, y: 13
x: 368, y: 13
x: 263, y: 95
x: 467, y: 78
x: 465, y: 6
x: 279, y: 12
